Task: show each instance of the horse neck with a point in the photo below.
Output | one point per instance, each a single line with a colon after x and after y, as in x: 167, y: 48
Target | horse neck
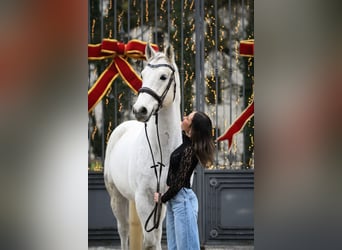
x: 168, y: 123
x: 169, y: 119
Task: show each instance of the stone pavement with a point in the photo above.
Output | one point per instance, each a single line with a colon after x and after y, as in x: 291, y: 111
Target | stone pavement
x: 249, y: 247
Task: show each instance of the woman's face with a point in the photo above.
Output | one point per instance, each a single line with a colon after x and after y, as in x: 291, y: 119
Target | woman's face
x: 186, y: 123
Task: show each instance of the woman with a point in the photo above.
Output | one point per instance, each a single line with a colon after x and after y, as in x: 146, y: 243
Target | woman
x: 182, y: 203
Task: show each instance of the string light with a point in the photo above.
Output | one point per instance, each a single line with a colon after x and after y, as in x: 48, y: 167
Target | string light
x: 192, y: 4
x: 189, y: 46
x: 146, y: 11
x: 94, y: 132
x: 109, y: 131
x: 120, y: 17
x: 93, y: 29
x: 162, y: 6
x: 120, y: 103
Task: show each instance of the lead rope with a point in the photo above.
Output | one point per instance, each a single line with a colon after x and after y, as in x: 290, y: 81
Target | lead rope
x: 156, y: 212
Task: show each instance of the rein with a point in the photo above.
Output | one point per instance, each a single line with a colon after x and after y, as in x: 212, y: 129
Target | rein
x: 156, y: 212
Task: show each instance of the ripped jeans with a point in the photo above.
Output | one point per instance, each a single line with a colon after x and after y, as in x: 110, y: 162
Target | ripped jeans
x: 181, y: 221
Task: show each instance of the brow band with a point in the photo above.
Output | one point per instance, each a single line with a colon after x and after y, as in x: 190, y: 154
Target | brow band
x: 160, y: 65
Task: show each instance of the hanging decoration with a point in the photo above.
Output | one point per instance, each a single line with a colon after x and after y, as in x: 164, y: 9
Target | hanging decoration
x: 246, y: 50
x: 237, y: 125
x: 118, y: 52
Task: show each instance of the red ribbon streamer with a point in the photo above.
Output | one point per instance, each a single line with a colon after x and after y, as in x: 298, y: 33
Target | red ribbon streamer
x: 247, y: 50
x: 237, y: 125
x: 118, y: 51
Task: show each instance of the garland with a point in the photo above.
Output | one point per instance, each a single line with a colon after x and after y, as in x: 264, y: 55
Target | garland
x: 118, y: 52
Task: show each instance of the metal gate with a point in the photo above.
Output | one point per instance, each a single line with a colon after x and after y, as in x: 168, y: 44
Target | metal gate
x: 214, y: 79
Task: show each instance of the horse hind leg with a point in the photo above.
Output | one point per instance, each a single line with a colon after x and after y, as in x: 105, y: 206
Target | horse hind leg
x: 120, y: 208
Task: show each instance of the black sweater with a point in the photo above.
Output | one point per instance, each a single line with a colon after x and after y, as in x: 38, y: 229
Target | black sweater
x: 183, y: 161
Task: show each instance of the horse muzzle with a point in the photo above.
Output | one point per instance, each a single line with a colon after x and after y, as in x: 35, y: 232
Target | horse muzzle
x: 142, y: 114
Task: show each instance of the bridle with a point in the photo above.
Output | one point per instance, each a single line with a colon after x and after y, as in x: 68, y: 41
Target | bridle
x: 151, y: 92
x: 156, y: 212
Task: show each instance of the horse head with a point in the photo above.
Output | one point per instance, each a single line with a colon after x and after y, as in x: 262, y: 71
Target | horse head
x: 159, y: 80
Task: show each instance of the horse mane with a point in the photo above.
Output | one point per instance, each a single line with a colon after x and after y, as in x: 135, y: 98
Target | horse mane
x: 160, y: 55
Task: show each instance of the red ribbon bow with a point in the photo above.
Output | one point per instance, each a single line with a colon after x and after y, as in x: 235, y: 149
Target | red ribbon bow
x: 118, y: 51
x: 246, y: 49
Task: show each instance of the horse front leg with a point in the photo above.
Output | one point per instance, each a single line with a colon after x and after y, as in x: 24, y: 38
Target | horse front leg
x: 145, y: 205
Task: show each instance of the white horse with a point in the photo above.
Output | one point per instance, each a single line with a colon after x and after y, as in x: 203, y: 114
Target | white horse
x: 127, y: 170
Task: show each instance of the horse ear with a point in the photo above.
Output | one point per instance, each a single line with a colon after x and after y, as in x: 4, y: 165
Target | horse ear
x: 169, y: 52
x: 149, y: 52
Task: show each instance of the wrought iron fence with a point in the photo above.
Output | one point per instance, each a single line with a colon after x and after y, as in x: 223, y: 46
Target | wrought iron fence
x: 214, y: 77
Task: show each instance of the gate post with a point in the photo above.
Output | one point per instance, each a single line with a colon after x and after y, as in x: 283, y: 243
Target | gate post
x: 199, y: 98
x: 135, y: 230
x: 199, y: 67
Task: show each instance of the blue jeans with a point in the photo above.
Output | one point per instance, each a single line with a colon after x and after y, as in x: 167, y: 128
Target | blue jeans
x: 181, y: 221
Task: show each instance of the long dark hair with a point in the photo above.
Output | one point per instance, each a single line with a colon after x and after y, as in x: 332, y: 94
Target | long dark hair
x: 202, y: 140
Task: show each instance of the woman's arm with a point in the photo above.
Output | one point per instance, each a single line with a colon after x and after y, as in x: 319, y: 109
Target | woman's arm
x: 178, y: 181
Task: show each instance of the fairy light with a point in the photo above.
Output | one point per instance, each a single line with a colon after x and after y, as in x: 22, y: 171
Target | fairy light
x: 162, y: 11
x: 186, y: 40
x: 173, y: 6
x: 175, y: 35
x: 186, y: 77
x: 189, y: 46
x: 146, y: 11
x: 93, y: 29
x: 94, y: 132
x: 110, y: 31
x: 120, y: 17
x: 252, y: 142
x: 98, y: 167
x: 120, y: 102
x: 162, y: 6
x: 107, y: 95
x: 192, y: 29
x: 211, y: 22
x: 109, y: 131
x: 192, y: 4
x: 174, y: 22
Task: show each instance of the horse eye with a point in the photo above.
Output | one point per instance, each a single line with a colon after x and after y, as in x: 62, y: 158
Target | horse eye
x: 163, y: 77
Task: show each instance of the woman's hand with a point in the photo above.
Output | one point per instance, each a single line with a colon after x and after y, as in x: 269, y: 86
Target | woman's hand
x: 156, y: 197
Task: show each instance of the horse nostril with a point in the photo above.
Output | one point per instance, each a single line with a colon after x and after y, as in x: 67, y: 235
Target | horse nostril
x: 143, y: 111
x: 140, y: 112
